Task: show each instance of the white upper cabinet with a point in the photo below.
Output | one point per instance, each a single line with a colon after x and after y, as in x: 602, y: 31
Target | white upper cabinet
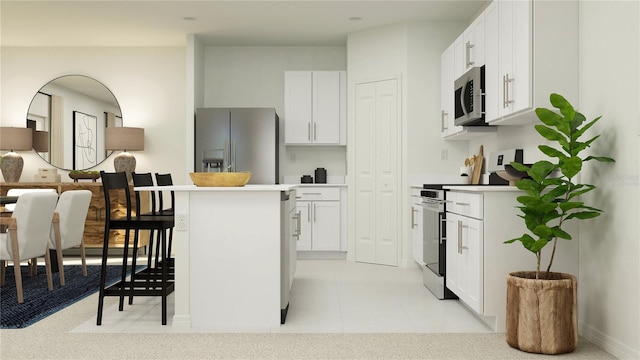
x: 531, y: 52
x: 315, y: 108
x: 447, y: 74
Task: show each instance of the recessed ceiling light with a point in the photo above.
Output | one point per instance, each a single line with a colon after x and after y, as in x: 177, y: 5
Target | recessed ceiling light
x: 188, y: 18
x: 355, y: 18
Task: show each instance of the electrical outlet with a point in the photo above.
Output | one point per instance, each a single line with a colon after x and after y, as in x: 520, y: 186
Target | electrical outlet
x: 292, y: 156
x: 444, y: 154
x: 182, y: 222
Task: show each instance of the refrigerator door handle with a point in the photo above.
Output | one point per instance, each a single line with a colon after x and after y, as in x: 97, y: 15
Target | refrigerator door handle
x: 233, y: 160
x: 225, y: 156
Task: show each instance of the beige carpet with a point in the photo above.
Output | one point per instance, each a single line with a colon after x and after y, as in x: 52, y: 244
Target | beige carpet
x: 51, y: 339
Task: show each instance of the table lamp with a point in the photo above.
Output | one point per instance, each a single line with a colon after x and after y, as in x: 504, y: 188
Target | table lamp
x: 125, y: 139
x: 14, y: 139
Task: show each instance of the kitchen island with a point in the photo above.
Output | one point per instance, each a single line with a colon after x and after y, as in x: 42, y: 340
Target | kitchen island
x: 234, y: 253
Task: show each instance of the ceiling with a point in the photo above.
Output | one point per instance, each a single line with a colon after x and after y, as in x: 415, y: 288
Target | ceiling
x: 239, y: 22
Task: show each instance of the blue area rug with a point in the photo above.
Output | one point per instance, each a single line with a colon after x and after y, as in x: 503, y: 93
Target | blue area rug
x: 39, y: 302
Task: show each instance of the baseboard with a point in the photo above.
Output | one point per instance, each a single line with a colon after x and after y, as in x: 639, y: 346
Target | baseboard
x: 607, y: 343
x: 322, y: 255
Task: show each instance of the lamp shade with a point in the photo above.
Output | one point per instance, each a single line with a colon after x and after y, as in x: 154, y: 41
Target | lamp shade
x: 41, y: 141
x: 124, y: 138
x: 15, y: 139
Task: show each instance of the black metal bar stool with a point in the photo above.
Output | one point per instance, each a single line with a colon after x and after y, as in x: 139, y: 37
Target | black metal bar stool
x: 112, y: 182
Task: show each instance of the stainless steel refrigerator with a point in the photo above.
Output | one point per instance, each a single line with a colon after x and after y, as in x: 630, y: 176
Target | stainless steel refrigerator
x: 238, y: 139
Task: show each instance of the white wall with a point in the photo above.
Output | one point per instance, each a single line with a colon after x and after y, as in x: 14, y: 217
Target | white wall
x: 609, y: 249
x: 608, y: 280
x: 254, y: 77
x: 426, y: 42
x: 149, y: 84
x: 410, y: 52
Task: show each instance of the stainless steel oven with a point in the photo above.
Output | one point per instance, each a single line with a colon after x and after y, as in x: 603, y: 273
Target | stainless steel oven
x: 435, y: 241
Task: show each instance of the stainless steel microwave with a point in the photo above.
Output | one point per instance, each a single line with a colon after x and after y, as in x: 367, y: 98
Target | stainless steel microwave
x: 469, y: 98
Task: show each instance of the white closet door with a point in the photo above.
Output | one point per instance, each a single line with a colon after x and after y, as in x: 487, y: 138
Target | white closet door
x: 377, y: 176
x: 365, y: 178
x: 387, y: 160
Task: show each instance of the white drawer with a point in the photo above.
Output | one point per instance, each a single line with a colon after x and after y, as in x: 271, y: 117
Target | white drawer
x: 319, y: 193
x: 465, y: 203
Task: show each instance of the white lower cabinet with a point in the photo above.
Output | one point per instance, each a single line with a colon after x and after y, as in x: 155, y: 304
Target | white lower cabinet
x: 478, y: 260
x: 417, y: 227
x: 320, y: 219
x: 465, y: 243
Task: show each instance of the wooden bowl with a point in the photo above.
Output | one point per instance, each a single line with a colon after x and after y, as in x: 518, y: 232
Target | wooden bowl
x: 220, y: 179
x: 92, y: 177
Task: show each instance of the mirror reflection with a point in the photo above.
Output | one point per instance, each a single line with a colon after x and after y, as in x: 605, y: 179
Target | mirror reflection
x: 72, y: 112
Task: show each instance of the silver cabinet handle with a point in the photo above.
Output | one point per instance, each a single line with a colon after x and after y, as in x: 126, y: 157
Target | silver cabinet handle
x: 297, y: 218
x: 443, y: 123
x: 311, y: 193
x: 469, y: 46
x: 462, y: 204
x: 309, y: 131
x: 505, y: 91
x: 460, y: 247
x: 308, y: 212
x: 413, y: 221
x: 315, y: 130
x: 314, y: 213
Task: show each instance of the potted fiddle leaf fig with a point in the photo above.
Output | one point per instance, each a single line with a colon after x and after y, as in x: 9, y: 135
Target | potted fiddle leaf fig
x: 549, y: 299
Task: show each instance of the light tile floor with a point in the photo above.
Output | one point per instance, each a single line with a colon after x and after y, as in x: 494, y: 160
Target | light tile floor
x: 329, y: 296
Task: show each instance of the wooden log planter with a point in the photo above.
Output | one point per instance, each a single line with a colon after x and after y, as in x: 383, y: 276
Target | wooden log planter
x: 542, y: 314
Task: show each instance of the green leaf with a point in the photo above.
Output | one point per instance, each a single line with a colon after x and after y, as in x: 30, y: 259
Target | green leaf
x: 538, y: 245
x: 577, y: 120
x: 566, y: 206
x: 578, y: 132
x: 558, y: 232
x: 548, y: 117
x: 570, y: 167
x: 540, y: 170
x: 599, y: 158
x: 583, y: 215
x: 551, y: 152
x: 519, y: 167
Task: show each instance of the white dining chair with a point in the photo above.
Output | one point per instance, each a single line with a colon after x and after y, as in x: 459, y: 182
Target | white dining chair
x: 67, y: 230
x: 18, y: 192
x: 28, y: 235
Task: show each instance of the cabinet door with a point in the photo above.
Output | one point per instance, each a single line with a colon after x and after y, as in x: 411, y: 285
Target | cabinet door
x: 326, y: 107
x: 493, y: 75
x: 515, y: 41
x: 304, y: 240
x: 465, y: 260
x: 417, y: 233
x: 294, y: 222
x: 297, y: 107
x: 479, y: 46
x: 470, y: 261
x: 521, y: 93
x: 325, y: 227
x: 446, y: 88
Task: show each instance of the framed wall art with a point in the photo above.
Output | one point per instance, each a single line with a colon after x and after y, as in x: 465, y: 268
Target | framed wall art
x: 85, y: 139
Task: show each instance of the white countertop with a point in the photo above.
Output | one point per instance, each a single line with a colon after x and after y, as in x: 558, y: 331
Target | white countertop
x: 257, y: 187
x: 483, y: 188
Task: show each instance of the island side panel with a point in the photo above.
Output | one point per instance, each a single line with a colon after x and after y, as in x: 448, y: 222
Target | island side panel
x: 180, y: 246
x: 234, y: 259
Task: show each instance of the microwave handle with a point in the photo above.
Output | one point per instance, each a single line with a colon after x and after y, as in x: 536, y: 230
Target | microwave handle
x: 462, y: 102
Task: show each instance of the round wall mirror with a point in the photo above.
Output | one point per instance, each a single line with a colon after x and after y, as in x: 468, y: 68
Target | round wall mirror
x: 68, y: 117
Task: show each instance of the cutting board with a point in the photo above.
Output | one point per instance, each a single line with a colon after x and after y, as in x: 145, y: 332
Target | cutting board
x: 477, y: 167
